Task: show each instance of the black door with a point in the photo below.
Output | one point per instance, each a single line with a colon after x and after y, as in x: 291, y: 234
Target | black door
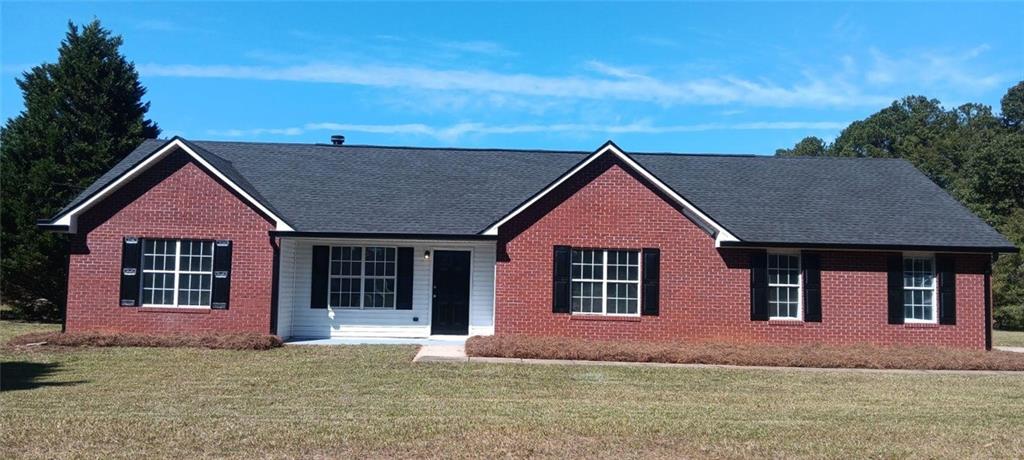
x: 451, y: 293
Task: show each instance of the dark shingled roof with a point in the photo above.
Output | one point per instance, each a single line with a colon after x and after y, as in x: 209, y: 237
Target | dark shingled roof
x: 373, y: 189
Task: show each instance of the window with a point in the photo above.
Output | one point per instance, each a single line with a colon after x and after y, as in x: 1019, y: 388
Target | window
x: 177, y: 273
x: 362, y: 277
x: 919, y: 289
x: 605, y: 282
x: 783, y: 286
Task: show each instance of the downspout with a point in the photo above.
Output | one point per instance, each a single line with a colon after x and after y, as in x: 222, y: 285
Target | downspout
x: 275, y: 278
x: 988, y: 301
x: 67, y: 291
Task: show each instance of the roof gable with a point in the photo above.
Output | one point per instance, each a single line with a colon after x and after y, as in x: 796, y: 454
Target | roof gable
x: 67, y: 218
x: 609, y: 148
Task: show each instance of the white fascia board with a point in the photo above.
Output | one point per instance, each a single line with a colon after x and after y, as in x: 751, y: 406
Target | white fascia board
x: 70, y: 218
x: 721, y: 233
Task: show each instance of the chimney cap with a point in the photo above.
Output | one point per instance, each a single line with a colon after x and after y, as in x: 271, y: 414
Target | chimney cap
x: 337, y: 139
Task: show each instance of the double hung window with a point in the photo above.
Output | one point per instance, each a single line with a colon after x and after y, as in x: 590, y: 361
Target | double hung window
x: 177, y: 273
x: 605, y: 282
x: 362, y: 277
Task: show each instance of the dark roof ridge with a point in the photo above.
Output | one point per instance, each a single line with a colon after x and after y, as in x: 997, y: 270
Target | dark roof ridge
x: 475, y: 149
x: 526, y: 150
x: 460, y: 149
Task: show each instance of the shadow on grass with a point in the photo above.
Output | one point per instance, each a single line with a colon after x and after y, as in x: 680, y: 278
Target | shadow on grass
x: 24, y: 375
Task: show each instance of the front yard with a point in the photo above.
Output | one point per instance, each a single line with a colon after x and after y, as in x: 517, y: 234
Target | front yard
x: 372, y: 401
x: 1008, y: 338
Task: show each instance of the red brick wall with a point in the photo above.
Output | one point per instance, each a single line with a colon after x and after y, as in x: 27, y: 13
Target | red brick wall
x: 173, y: 199
x: 705, y: 291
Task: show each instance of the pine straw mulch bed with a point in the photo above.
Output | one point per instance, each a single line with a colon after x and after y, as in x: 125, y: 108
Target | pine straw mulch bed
x: 745, y: 354
x: 237, y: 341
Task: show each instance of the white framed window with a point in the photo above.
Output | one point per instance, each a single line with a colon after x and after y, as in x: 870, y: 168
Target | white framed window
x: 177, y: 273
x: 362, y: 277
x: 606, y: 282
x: 784, y: 286
x: 919, y: 289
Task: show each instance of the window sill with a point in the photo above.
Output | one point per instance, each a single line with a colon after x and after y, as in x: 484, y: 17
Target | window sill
x: 579, y: 317
x: 920, y: 325
x: 786, y: 322
x: 195, y: 311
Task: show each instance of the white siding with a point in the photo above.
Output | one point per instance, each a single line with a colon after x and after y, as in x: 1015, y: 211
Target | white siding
x: 286, y: 288
x: 306, y: 322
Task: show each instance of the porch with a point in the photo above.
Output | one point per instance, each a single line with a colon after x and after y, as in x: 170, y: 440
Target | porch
x: 451, y: 285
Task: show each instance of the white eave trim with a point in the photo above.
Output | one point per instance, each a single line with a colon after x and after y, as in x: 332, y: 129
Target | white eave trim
x: 721, y: 233
x: 70, y: 217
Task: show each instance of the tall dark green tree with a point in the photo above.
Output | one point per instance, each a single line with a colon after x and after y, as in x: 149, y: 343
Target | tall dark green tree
x: 82, y: 114
x: 974, y: 154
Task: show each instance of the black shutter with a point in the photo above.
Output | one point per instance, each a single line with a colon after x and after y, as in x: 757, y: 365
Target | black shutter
x: 321, y: 273
x: 219, y: 298
x: 811, y: 263
x: 403, y: 300
x: 651, y: 275
x: 759, y: 286
x: 562, y: 296
x: 896, y: 289
x: 131, y: 273
x: 946, y: 273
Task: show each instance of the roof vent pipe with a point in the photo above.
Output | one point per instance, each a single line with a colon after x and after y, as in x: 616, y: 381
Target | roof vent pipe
x: 337, y: 139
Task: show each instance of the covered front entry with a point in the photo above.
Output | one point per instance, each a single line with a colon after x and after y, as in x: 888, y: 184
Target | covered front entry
x: 450, y: 302
x: 451, y: 282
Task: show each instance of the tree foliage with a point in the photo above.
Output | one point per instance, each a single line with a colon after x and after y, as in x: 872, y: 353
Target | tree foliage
x: 82, y: 114
x: 808, y: 147
x: 974, y: 154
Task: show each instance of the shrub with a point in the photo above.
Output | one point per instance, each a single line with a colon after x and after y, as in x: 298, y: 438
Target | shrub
x: 239, y: 341
x: 35, y: 310
x: 1009, y: 317
x: 745, y: 354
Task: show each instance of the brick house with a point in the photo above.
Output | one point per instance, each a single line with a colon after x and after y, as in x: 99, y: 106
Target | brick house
x: 332, y: 240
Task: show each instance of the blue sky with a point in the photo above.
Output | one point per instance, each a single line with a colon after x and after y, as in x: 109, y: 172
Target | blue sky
x: 691, y: 77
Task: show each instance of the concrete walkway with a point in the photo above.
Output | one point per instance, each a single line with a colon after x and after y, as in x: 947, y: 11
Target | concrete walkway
x: 442, y: 353
x: 1013, y: 349
x: 457, y: 354
x: 432, y: 341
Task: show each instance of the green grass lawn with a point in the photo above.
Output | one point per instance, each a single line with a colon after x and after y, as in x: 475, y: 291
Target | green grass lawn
x: 1008, y: 338
x: 372, y: 401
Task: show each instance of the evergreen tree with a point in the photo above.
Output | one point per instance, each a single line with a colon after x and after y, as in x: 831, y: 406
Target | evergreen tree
x: 82, y: 115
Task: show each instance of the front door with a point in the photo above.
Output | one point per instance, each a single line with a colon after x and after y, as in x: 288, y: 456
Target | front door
x: 450, y: 314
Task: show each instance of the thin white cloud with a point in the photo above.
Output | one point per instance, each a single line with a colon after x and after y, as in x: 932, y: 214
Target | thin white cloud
x: 625, y: 85
x: 614, y: 71
x: 453, y: 132
x: 477, y: 47
x: 931, y: 68
x: 846, y: 29
x: 258, y: 132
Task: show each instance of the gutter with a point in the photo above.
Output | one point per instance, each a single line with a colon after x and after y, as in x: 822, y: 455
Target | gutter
x: 387, y: 236
x: 46, y: 225
x: 872, y: 247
